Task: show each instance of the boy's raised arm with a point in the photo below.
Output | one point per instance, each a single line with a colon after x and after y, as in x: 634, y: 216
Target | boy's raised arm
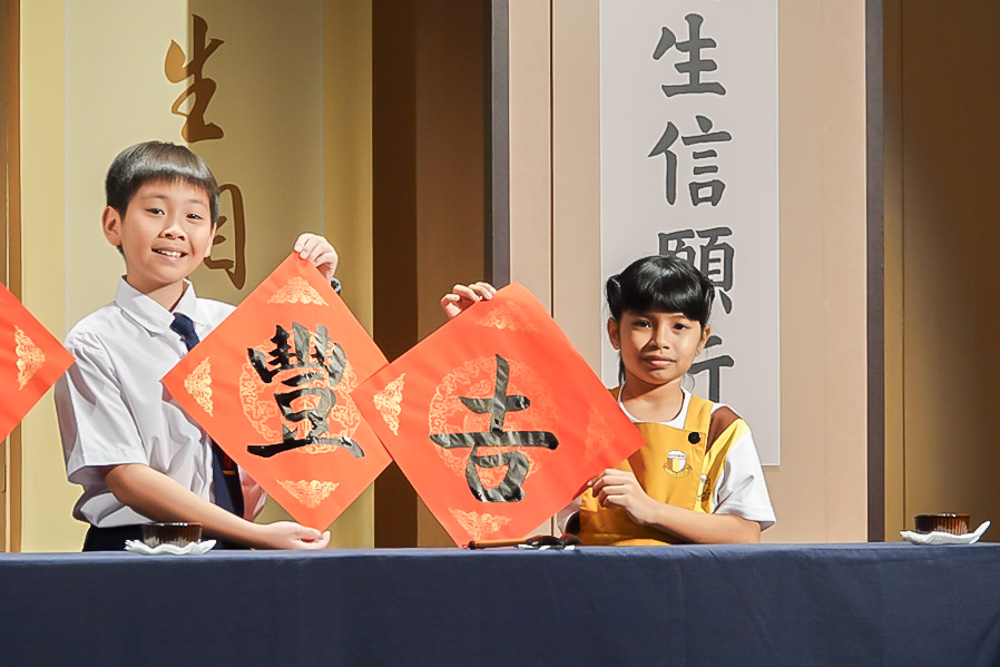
x: 157, y: 496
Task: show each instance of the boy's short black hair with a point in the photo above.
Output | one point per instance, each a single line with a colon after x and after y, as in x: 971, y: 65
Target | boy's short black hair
x: 153, y: 161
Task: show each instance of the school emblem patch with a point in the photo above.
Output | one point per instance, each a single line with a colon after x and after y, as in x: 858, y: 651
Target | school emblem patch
x: 677, y: 464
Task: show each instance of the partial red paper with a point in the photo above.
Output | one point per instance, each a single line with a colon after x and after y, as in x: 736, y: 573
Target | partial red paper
x: 31, y: 360
x: 496, y: 419
x: 272, y: 385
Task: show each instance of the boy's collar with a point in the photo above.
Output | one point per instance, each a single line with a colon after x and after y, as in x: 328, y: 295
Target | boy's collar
x: 150, y: 315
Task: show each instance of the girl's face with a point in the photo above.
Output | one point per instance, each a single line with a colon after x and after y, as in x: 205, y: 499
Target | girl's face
x: 657, y: 348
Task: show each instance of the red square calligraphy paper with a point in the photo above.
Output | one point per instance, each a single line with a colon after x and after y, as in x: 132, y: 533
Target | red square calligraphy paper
x: 31, y: 360
x: 272, y: 385
x: 496, y: 419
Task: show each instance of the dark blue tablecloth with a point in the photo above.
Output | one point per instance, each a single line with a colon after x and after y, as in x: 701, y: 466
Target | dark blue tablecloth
x: 699, y: 605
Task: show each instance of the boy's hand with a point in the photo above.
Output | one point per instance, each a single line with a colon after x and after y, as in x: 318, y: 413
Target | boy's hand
x: 463, y: 296
x: 316, y: 249
x: 290, y: 535
x: 617, y: 488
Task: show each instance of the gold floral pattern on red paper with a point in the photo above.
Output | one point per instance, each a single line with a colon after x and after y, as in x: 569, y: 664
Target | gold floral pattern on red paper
x: 309, y: 492
x: 507, y: 317
x: 389, y: 403
x: 29, y: 357
x: 479, y: 525
x: 199, y: 384
x: 597, y: 434
x: 297, y: 290
x: 262, y: 412
x: 476, y: 379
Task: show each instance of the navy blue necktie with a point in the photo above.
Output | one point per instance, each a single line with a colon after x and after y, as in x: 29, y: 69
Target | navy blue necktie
x: 228, y: 490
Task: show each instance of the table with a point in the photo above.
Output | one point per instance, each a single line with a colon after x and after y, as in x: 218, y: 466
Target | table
x: 863, y: 604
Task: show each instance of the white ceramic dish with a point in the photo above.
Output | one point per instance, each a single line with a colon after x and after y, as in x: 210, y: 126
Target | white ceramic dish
x: 938, y: 537
x: 195, y: 548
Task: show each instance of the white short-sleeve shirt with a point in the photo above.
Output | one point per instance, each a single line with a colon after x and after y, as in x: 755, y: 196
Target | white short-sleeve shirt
x: 740, y: 489
x: 113, y: 408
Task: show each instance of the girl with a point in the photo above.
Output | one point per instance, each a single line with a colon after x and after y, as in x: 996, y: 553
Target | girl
x: 698, y: 477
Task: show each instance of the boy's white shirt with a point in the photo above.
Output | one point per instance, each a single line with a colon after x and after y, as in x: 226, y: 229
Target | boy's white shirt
x: 741, y: 489
x: 114, y: 410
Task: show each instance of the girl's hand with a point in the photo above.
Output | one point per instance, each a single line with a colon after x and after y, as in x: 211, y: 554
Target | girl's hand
x: 617, y: 488
x: 463, y: 296
x: 316, y: 249
x: 290, y: 535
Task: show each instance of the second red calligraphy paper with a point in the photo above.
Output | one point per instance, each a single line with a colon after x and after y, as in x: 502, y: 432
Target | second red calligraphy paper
x: 496, y: 420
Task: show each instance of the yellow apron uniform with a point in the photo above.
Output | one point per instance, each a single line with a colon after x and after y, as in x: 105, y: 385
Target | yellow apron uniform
x: 676, y: 466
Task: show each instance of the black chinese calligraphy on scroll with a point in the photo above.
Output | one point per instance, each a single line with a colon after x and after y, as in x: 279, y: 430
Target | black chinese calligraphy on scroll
x: 695, y: 65
x: 713, y: 257
x: 497, y: 406
x: 312, y: 368
x: 713, y: 366
x: 707, y: 191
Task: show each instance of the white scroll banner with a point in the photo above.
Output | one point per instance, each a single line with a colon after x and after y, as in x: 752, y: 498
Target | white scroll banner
x: 689, y: 166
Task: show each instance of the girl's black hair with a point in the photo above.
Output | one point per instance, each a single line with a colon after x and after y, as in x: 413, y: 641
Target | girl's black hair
x: 660, y: 283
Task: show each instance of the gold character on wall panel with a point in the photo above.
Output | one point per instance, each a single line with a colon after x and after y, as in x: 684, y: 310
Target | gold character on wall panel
x: 236, y: 267
x: 201, y: 89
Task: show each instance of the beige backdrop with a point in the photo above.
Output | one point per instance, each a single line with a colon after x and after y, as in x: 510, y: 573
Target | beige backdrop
x: 819, y: 490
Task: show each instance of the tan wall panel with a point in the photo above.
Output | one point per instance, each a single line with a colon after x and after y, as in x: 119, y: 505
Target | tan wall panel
x: 820, y: 489
x: 895, y: 519
x: 269, y: 102
x: 949, y: 164
x: 450, y: 152
x: 530, y: 122
x: 576, y: 174
x: 111, y: 103
x: 47, y: 497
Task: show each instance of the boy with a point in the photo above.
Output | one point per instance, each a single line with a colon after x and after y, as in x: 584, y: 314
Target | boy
x: 138, y: 456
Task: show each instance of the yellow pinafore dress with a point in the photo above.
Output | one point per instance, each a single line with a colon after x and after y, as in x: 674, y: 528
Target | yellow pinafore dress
x: 675, y: 466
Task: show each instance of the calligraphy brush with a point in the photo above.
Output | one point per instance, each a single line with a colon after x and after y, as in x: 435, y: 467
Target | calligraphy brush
x: 535, y: 542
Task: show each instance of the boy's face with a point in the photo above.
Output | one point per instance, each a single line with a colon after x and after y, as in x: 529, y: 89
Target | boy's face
x: 165, y: 233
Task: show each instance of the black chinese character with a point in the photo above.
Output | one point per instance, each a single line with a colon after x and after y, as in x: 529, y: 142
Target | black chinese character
x: 714, y: 367
x: 702, y: 192
x: 695, y: 65
x: 714, y: 258
x: 517, y: 463
x: 319, y: 365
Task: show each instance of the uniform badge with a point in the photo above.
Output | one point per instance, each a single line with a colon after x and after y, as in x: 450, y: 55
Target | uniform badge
x: 677, y: 464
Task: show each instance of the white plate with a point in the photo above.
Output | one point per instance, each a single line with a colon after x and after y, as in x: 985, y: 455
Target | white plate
x: 196, y: 548
x: 938, y: 537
